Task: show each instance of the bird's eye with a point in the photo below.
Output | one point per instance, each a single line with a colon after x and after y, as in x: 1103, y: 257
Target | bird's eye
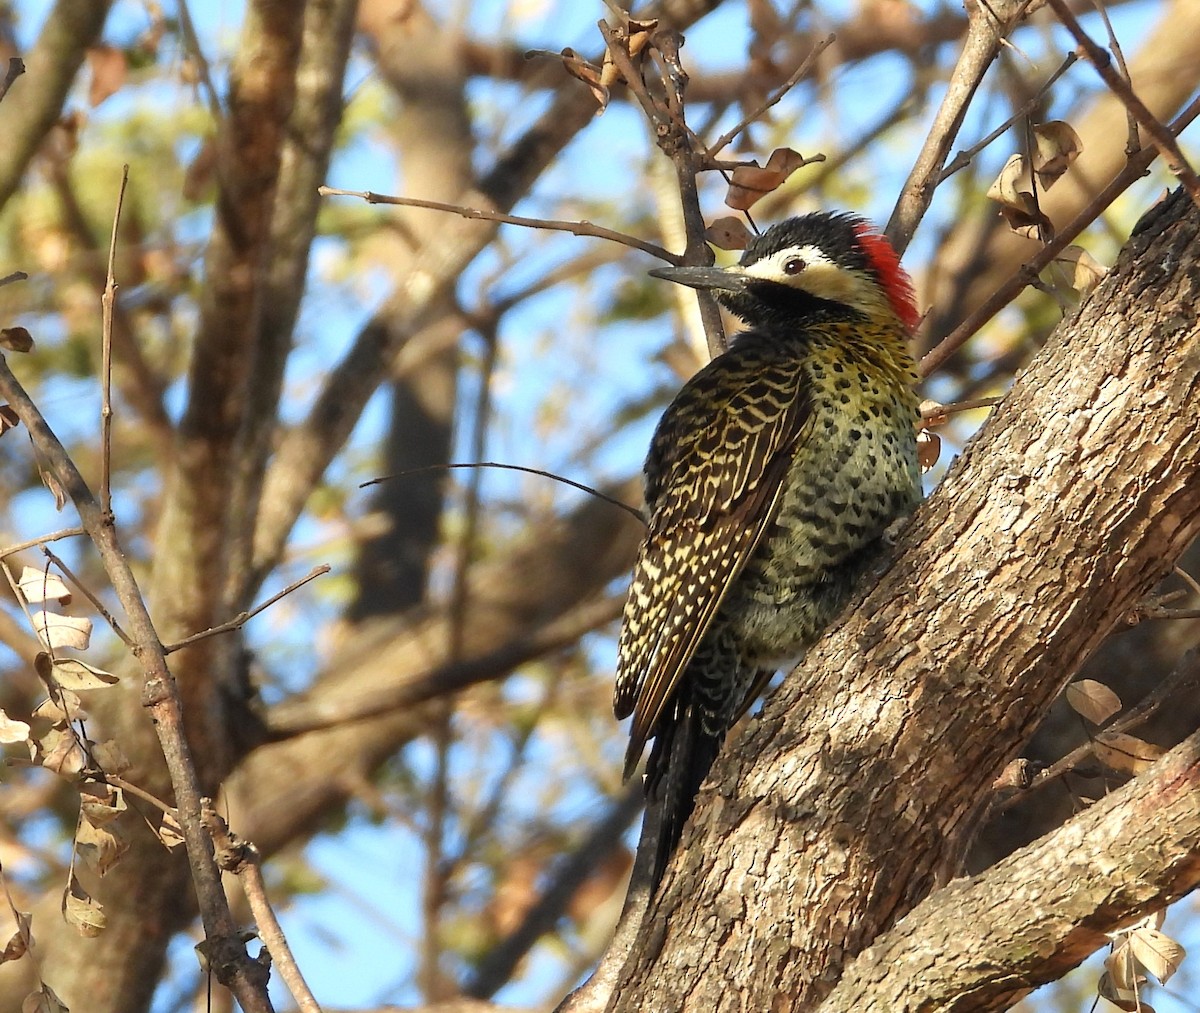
x: 793, y: 266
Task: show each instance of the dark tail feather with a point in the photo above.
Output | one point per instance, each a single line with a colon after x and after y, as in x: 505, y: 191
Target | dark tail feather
x: 679, y: 761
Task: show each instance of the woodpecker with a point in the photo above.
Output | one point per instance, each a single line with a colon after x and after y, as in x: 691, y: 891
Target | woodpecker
x: 770, y: 482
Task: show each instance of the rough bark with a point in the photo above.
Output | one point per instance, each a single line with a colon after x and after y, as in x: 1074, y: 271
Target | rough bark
x: 838, y: 811
x: 981, y: 944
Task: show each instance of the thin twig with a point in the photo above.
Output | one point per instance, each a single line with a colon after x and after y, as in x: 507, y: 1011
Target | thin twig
x: 106, y: 314
x: 132, y: 789
x: 1185, y: 676
x: 1160, y: 136
x: 986, y: 26
x: 1133, y: 144
x: 242, y: 618
x: 963, y: 158
x: 632, y: 511
x: 583, y: 228
x: 1158, y: 612
x: 798, y: 75
x: 244, y: 860
x: 677, y: 142
x: 54, y: 536
x: 192, y: 42
x: 8, y: 279
x: 934, y: 414
x: 87, y: 593
x: 160, y: 695
x: 1187, y: 578
x: 1134, y: 170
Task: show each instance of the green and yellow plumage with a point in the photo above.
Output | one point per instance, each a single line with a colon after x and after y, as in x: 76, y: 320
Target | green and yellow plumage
x: 770, y: 481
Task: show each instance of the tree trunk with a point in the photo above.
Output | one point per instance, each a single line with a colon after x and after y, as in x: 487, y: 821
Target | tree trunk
x: 841, y: 809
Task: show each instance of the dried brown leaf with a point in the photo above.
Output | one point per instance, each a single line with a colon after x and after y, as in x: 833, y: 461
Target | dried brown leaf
x: 1125, y: 753
x: 101, y: 803
x: 43, y: 1001
x: 169, y: 831
x: 82, y: 911
x: 728, y: 233
x: 1013, y: 190
x: 8, y: 419
x: 38, y: 585
x: 1086, y: 271
x: 110, y: 757
x: 16, y: 339
x: 62, y: 706
x: 1057, y: 147
x: 59, y: 750
x: 929, y: 449
x: 749, y: 183
x: 598, y: 79
x: 641, y: 34
x: 58, y: 631
x: 1157, y: 952
x: 12, y: 730
x: 110, y: 70
x: 1120, y: 974
x: 100, y: 847
x: 18, y: 943
x: 1092, y: 700
x: 71, y: 673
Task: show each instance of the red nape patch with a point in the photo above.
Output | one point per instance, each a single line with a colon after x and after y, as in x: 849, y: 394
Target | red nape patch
x: 897, y: 285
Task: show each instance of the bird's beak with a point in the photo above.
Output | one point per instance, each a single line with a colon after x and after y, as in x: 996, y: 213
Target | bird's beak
x: 722, y: 279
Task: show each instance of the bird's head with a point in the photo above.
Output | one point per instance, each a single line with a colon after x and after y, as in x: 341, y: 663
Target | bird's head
x: 825, y: 263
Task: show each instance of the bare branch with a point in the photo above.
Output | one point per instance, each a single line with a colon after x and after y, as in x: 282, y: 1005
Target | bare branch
x: 1023, y: 922
x: 963, y: 158
x: 1162, y: 138
x: 240, y: 620
x: 41, y: 540
x: 106, y: 316
x: 1132, y: 172
x: 96, y: 603
x: 244, y: 976
x: 798, y: 75
x: 478, y: 214
x: 243, y: 860
x: 987, y: 24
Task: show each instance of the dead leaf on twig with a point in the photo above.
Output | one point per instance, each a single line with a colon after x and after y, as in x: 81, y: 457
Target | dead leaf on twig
x: 1125, y: 753
x: 16, y: 339
x: 1086, y: 272
x: 1092, y: 700
x: 750, y: 183
x: 1014, y: 191
x: 728, y: 233
x: 81, y: 911
x: 1057, y: 147
x: 929, y: 449
x: 110, y: 70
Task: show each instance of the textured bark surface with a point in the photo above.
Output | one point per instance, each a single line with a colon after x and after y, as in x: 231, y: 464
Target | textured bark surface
x: 839, y: 810
x: 979, y: 944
